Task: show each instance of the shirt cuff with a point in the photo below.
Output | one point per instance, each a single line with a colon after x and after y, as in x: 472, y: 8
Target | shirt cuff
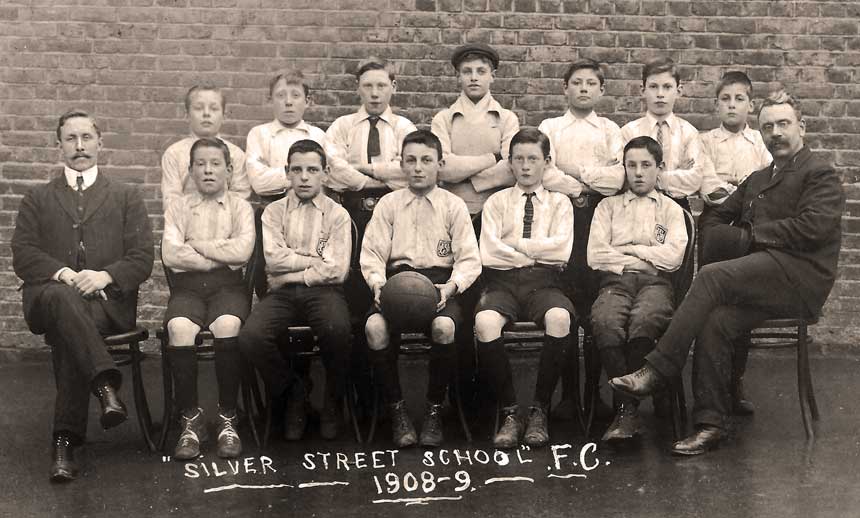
x: 56, y: 276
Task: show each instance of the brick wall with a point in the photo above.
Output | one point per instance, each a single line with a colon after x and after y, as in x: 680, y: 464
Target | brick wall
x: 130, y: 62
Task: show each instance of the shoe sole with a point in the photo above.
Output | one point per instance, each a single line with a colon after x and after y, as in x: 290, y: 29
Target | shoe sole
x: 113, y: 418
x: 693, y: 453
x: 62, y: 477
x: 623, y: 390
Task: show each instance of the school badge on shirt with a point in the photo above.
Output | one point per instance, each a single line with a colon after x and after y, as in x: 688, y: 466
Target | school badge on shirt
x: 660, y: 233
x: 323, y: 241
x: 443, y: 248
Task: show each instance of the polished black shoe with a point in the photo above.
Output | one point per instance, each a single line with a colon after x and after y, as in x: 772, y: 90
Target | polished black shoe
x: 740, y: 404
x: 113, y: 409
x: 431, y: 429
x: 705, y: 438
x: 63, y: 468
x: 537, y: 433
x: 626, y: 425
x: 638, y: 384
x: 509, y: 434
x: 402, y: 430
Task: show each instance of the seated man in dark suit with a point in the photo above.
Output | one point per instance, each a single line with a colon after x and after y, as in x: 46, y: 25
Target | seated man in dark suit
x: 82, y: 245
x: 784, y: 226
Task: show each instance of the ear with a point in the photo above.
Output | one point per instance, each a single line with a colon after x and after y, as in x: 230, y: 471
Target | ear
x: 802, y: 124
x: 309, y: 100
x: 680, y: 89
x: 394, y: 85
x: 752, y: 106
x: 602, y: 88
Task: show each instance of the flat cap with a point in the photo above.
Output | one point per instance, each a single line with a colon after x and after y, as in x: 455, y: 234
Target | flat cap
x: 475, y: 48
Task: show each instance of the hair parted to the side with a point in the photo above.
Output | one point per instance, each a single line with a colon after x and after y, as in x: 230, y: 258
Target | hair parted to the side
x: 210, y: 142
x: 779, y: 95
x: 307, y: 146
x: 374, y: 63
x: 735, y: 77
x: 585, y: 64
x: 648, y: 144
x: 530, y: 136
x: 205, y: 87
x: 74, y: 113
x: 425, y: 137
x: 658, y: 66
x: 290, y: 77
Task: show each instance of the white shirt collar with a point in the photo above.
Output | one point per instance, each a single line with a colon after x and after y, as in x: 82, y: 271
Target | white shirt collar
x: 671, y: 121
x: 463, y: 105
x: 724, y: 134
x: 88, y: 174
x: 592, y: 118
x: 387, y: 115
x: 276, y: 127
x: 630, y: 196
x: 539, y: 192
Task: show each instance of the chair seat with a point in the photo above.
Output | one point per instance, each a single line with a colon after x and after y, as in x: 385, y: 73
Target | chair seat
x: 137, y: 334
x: 777, y: 323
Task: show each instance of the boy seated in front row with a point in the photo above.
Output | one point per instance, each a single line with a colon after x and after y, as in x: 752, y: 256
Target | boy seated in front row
x: 636, y: 238
x: 425, y: 229
x: 307, y: 243
x: 526, y: 239
x: 208, y: 237
x: 204, y: 107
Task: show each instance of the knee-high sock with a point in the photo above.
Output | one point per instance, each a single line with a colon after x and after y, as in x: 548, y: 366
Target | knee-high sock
x: 443, y: 362
x: 386, y: 374
x: 637, y: 349
x: 497, y: 370
x: 228, y: 370
x: 550, y: 367
x: 183, y: 365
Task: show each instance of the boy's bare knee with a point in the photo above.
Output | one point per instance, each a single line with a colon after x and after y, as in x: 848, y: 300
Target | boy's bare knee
x: 182, y: 331
x: 488, y: 325
x: 376, y: 330
x: 557, y: 322
x: 226, y: 326
x: 442, y: 330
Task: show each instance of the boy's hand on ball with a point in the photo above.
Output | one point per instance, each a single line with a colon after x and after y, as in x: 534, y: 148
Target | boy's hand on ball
x: 446, y: 291
x: 377, y: 293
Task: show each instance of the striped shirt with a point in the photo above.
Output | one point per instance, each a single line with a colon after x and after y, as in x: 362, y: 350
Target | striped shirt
x: 313, y: 237
x: 346, y: 144
x: 734, y: 157
x: 593, y: 143
x: 222, y: 230
x: 266, y: 154
x: 502, y: 244
x: 422, y: 232
x: 653, y: 223
x: 176, y: 180
x: 681, y: 144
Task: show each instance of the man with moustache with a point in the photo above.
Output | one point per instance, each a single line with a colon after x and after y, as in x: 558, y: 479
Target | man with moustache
x: 777, y: 239
x: 82, y: 245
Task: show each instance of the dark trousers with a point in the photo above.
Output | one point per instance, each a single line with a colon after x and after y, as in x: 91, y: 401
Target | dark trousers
x: 323, y: 308
x: 75, y: 327
x: 726, y: 300
x: 629, y: 306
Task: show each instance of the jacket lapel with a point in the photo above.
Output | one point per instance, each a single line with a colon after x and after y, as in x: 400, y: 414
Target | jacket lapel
x: 64, y: 197
x: 98, y: 194
x: 796, y: 163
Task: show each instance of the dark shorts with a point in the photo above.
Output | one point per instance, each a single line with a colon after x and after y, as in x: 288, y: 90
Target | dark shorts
x: 524, y: 293
x: 202, y: 297
x: 452, y: 309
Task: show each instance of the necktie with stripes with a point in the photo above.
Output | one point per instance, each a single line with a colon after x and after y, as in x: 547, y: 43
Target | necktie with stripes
x: 528, y: 215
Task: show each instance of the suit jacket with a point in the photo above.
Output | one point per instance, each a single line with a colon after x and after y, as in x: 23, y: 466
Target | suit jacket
x: 795, y: 217
x: 114, y: 228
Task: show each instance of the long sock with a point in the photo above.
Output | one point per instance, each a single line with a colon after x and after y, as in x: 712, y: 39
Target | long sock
x: 386, y: 375
x: 443, y: 362
x: 615, y: 363
x: 497, y: 370
x: 550, y: 367
x: 228, y: 370
x: 183, y: 365
x: 637, y: 349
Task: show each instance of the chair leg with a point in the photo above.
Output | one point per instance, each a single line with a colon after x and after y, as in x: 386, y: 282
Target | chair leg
x: 374, y: 417
x: 141, y: 405
x: 248, y: 380
x: 592, y: 386
x: 804, y: 383
x: 454, y: 393
x: 267, y: 430
x: 679, y: 409
x: 350, y: 408
x: 167, y: 391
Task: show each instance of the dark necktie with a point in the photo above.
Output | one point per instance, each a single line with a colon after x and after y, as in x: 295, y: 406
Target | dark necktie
x: 81, y: 259
x: 79, y: 181
x: 528, y: 215
x: 373, y: 139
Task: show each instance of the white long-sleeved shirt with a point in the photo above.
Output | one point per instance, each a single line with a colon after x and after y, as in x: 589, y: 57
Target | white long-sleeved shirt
x: 222, y: 229
x: 734, y: 157
x: 313, y: 237
x: 593, y: 143
x: 176, y: 181
x: 423, y: 232
x: 266, y: 154
x: 653, y: 224
x: 681, y: 144
x: 346, y: 144
x: 502, y: 244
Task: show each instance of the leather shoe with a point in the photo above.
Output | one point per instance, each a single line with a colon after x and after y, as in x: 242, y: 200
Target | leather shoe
x: 626, y: 425
x: 705, y: 438
x: 63, y: 468
x: 740, y: 404
x: 638, y: 384
x: 113, y: 409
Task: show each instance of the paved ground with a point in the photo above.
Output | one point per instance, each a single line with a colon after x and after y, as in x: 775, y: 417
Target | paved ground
x: 767, y: 470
